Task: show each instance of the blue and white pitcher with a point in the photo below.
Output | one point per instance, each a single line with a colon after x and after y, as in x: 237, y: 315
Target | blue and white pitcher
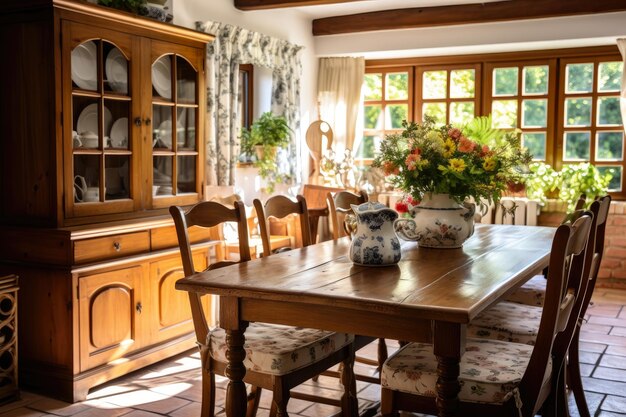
x: 374, y: 243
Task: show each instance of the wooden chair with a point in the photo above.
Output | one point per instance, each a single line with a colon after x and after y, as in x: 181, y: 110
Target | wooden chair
x: 277, y: 367
x: 499, y: 378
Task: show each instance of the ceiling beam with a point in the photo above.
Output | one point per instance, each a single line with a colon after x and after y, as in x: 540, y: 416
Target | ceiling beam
x: 462, y: 14
x: 276, y: 4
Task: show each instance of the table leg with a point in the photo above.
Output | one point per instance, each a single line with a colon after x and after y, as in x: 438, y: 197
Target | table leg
x: 236, y: 396
x: 448, y: 345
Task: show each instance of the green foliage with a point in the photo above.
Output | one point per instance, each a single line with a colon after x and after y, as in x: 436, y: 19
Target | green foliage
x: 572, y: 181
x: 133, y: 6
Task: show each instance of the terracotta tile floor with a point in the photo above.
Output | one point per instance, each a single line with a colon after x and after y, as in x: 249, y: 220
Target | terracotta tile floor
x: 172, y: 387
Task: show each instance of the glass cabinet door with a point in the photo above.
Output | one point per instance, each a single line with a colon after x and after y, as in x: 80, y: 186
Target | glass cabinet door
x: 101, y: 103
x: 175, y: 147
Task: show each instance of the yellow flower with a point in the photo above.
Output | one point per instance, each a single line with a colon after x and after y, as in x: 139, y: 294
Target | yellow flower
x: 489, y: 164
x: 457, y: 164
x: 448, y: 148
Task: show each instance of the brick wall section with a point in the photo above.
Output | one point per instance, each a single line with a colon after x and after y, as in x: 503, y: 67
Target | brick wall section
x: 613, y: 268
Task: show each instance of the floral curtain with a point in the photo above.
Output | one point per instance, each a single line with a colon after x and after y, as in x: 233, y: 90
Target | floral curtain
x: 339, y: 95
x: 621, y: 44
x: 233, y: 46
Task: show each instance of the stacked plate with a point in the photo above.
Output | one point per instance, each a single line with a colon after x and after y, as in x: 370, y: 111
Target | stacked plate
x: 162, y: 77
x: 116, y: 68
x: 87, y: 124
x: 84, y: 66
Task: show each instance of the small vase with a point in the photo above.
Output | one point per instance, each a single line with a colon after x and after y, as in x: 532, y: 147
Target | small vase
x: 374, y: 242
x: 438, y: 222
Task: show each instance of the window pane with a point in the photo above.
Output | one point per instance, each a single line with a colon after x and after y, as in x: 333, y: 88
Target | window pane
x: 610, y: 146
x: 505, y: 81
x: 504, y: 113
x: 579, y: 78
x: 461, y: 113
x: 368, y: 147
x: 397, y: 86
x: 435, y: 84
x: 536, y: 145
x: 373, y: 87
x: 372, y: 117
x: 536, y: 80
x: 535, y: 113
x: 616, y: 181
x: 578, y: 111
x: 436, y: 110
x: 462, y: 83
x: 610, y: 76
x: 577, y: 146
x: 608, y: 111
x: 395, y: 114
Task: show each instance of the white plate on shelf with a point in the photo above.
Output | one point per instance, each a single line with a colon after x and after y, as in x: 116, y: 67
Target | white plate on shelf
x: 119, y: 133
x: 162, y: 77
x: 116, y: 68
x: 84, y: 66
x: 88, y: 119
x: 164, y: 133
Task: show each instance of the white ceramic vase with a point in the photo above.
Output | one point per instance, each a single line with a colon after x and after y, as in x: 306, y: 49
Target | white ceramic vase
x: 438, y: 222
x: 374, y: 243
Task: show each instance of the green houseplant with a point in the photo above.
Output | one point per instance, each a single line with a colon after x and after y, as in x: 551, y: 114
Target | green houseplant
x: 268, y: 133
x: 134, y: 6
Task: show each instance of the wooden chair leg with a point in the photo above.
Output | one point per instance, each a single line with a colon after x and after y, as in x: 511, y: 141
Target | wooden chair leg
x: 382, y: 353
x: 349, y: 401
x: 386, y: 403
x: 208, y: 394
x: 562, y: 407
x: 253, y: 401
x: 575, y: 379
x: 280, y: 399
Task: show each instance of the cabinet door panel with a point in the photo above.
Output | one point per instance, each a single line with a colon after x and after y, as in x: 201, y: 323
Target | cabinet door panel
x: 110, y: 321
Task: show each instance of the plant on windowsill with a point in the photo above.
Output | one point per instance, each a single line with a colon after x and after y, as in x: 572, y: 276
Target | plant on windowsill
x: 262, y: 140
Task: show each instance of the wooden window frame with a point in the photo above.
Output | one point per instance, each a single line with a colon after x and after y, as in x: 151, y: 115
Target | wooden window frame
x: 248, y: 100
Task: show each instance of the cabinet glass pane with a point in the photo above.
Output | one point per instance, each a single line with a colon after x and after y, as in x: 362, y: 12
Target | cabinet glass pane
x: 395, y: 114
x: 86, y: 178
x: 186, y: 135
x: 435, y: 84
x: 368, y: 147
x: 373, y: 87
x: 616, y: 180
x: 536, y: 145
x: 185, y: 81
x: 505, y: 81
x: 162, y: 174
x: 162, y: 77
x: 577, y: 146
x: 609, y: 113
x: 504, y: 113
x: 186, y: 174
x: 435, y: 110
x: 372, y: 117
x: 116, y: 177
x: 118, y: 135
x: 578, y: 78
x: 535, y: 80
x: 578, y: 111
x: 610, y: 146
x: 535, y: 113
x: 115, y: 69
x: 610, y: 76
x: 462, y: 83
x: 162, y: 124
x: 397, y: 86
x: 84, y: 63
x: 461, y: 112
x: 87, y: 115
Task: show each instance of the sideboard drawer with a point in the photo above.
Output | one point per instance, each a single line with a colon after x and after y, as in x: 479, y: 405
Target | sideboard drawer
x: 113, y: 246
x: 165, y: 237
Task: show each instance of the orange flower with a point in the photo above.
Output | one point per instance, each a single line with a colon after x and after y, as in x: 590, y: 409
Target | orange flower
x: 466, y: 145
x: 411, y: 161
x: 390, y: 169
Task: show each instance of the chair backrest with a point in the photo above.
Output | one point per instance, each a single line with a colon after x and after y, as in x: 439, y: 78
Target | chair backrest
x: 280, y: 206
x: 339, y: 206
x: 566, y: 269
x: 217, y: 232
x: 207, y: 214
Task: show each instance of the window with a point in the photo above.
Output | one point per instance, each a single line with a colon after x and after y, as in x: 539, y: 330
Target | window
x: 387, y: 102
x: 246, y: 76
x: 566, y: 103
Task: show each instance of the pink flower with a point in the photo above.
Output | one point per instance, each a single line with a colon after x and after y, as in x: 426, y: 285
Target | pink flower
x: 466, y: 145
x: 411, y: 161
x: 402, y: 207
x: 485, y: 151
x: 390, y: 169
x: 412, y: 201
x: 454, y: 133
x: 416, y: 151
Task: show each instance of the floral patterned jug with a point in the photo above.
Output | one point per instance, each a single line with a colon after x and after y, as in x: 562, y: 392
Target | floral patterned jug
x: 374, y: 243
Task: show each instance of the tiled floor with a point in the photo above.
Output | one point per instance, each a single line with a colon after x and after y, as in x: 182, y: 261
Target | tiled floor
x: 172, y: 388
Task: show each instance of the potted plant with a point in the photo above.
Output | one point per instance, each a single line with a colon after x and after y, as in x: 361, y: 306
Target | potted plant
x: 262, y: 139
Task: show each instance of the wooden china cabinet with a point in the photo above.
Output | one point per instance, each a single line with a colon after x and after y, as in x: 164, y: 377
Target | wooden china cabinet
x: 102, y: 119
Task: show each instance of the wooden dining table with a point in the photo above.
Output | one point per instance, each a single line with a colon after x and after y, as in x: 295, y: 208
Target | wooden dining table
x: 429, y: 296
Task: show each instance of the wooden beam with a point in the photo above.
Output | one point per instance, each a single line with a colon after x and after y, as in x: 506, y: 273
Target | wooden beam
x: 462, y: 14
x: 276, y: 4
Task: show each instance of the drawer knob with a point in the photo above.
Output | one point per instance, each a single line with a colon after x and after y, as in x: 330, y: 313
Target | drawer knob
x: 117, y: 246
x: 139, y: 307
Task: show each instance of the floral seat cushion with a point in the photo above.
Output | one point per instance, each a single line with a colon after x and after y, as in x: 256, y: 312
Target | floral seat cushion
x: 490, y: 370
x: 278, y: 350
x: 510, y: 322
x: 533, y: 293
